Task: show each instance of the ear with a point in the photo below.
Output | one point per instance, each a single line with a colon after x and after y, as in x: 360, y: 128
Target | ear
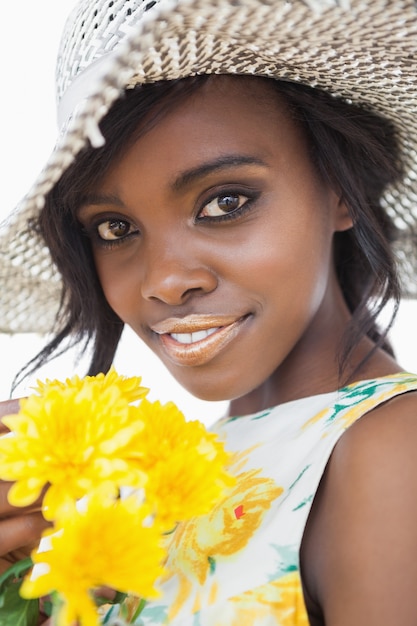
x: 341, y: 215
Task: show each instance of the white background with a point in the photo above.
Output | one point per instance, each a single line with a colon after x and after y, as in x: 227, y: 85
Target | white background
x: 28, y: 45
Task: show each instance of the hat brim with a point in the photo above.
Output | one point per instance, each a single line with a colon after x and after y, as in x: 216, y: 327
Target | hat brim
x: 365, y: 53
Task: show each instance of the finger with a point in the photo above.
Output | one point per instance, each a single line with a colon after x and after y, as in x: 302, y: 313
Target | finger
x: 8, y: 407
x: 8, y: 510
x: 15, y: 556
x: 23, y: 530
x: 105, y: 593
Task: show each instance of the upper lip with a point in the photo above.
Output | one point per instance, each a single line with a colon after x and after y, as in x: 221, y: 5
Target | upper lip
x: 193, y: 323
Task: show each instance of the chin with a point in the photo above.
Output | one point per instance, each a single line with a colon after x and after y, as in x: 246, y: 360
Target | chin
x: 219, y: 390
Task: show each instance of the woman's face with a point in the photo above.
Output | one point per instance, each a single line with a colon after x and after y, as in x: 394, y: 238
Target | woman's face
x: 212, y: 238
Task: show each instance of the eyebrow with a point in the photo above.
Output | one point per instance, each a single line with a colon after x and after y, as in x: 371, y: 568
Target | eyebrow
x: 221, y: 163
x: 92, y: 198
x: 183, y: 180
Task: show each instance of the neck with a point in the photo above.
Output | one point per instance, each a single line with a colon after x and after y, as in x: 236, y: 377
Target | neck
x: 301, y: 378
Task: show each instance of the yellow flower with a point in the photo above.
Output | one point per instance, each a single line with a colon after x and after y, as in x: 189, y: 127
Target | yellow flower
x: 110, y: 544
x: 129, y: 386
x: 184, y: 462
x: 226, y: 529
x: 198, y: 544
x: 72, y: 436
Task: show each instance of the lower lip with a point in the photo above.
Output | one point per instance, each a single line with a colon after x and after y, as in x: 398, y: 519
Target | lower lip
x: 200, y: 352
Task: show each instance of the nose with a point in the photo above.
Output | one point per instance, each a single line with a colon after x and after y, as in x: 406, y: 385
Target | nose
x: 173, y: 279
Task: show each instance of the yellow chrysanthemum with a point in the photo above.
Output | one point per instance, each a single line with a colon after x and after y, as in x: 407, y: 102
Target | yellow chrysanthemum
x: 185, y: 464
x: 110, y: 544
x: 129, y: 386
x: 72, y: 436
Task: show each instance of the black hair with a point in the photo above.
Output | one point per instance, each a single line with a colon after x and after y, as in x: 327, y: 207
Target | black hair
x: 355, y: 150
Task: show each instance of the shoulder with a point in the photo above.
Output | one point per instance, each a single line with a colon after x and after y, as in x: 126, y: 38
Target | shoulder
x: 361, y: 539
x: 373, y: 468
x: 389, y: 430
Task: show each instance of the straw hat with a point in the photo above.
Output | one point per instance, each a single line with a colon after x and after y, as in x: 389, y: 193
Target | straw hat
x: 364, y: 51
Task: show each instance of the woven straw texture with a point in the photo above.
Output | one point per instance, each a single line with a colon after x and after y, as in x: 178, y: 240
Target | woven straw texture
x: 364, y: 51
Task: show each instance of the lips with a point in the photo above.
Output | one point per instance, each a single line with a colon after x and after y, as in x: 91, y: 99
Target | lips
x: 196, y: 340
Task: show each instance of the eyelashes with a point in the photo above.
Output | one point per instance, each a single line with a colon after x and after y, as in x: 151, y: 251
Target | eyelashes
x: 226, y: 206
x: 109, y: 232
x: 112, y: 230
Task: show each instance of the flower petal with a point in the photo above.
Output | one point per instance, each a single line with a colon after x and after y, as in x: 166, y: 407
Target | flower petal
x: 23, y: 493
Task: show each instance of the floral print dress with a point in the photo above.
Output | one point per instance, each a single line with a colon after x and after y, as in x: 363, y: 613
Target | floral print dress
x: 239, y: 565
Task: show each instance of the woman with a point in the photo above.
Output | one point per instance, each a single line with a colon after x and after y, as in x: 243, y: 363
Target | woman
x: 246, y: 224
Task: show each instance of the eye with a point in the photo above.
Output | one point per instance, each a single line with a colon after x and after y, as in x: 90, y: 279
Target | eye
x: 113, y: 229
x: 223, y: 204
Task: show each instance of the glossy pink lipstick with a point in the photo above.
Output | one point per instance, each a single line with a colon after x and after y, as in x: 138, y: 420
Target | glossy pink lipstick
x: 196, y: 339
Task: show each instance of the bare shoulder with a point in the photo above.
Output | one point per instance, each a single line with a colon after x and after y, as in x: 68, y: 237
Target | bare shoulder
x: 389, y: 431
x: 360, y: 546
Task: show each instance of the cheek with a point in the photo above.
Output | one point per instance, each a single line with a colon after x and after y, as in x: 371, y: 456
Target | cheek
x: 289, y: 261
x: 118, y: 284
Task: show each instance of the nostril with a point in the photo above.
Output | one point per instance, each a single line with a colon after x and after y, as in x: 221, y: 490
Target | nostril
x: 175, y: 284
x: 192, y: 291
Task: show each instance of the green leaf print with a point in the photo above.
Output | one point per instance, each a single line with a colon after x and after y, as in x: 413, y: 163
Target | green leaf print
x: 157, y: 614
x: 359, y: 392
x: 233, y: 418
x: 260, y: 416
x: 212, y: 564
x: 300, y: 475
x: 303, y: 503
x: 287, y: 561
x: 196, y: 620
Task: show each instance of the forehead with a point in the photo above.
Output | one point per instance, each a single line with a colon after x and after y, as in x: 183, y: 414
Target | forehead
x: 216, y: 96
x: 225, y: 114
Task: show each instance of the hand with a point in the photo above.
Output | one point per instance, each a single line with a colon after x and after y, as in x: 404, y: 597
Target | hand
x: 20, y: 528
x: 8, y: 407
